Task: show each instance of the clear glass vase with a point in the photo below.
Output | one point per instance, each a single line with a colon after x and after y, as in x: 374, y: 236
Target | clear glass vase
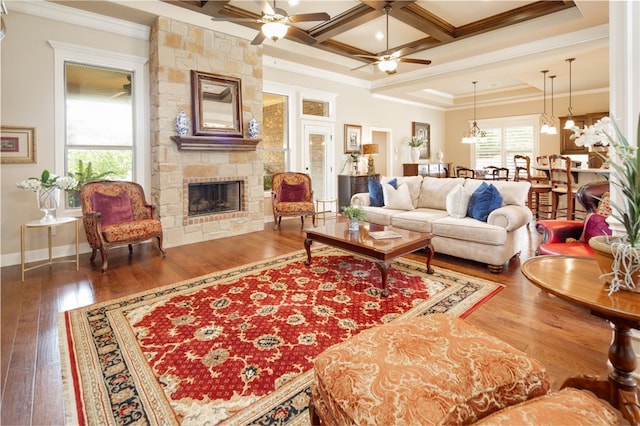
x: 48, y: 202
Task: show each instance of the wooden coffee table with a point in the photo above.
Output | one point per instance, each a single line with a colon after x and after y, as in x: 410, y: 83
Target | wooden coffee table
x: 575, y: 279
x: 382, y: 252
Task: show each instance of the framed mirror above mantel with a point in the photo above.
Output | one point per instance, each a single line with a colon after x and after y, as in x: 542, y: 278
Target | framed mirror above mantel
x: 216, y: 102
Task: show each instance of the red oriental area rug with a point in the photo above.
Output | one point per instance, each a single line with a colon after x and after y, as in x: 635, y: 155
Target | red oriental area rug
x: 237, y: 346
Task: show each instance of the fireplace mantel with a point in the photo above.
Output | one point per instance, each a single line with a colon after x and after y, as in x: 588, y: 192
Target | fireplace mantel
x: 214, y: 143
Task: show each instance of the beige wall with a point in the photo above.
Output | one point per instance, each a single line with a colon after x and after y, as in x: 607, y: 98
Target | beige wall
x: 457, y: 121
x: 27, y: 70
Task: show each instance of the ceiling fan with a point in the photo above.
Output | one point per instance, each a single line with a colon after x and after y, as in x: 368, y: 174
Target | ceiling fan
x: 388, y: 62
x: 276, y: 24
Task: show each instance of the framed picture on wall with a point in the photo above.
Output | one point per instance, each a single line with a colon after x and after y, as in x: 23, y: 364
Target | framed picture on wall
x: 18, y: 144
x: 423, y: 131
x: 352, y: 138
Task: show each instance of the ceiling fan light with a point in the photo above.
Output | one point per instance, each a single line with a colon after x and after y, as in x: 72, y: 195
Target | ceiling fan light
x: 274, y: 30
x: 387, y: 65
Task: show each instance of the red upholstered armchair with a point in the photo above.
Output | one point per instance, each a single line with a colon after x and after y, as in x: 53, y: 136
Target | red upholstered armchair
x: 571, y: 237
x: 115, y: 213
x: 292, y: 195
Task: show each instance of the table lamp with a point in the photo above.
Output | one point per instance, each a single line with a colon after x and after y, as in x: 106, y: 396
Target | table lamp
x: 370, y: 149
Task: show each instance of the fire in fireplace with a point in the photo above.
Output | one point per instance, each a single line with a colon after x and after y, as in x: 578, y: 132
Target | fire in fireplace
x: 209, y: 198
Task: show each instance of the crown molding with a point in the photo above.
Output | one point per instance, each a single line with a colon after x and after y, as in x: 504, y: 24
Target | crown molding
x: 70, y: 15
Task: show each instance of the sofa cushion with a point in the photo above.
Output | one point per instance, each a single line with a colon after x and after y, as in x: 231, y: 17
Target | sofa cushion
x: 433, y: 192
x: 397, y: 198
x: 469, y: 229
x: 594, y: 225
x: 289, y: 193
x: 379, y: 215
x: 375, y: 192
x: 113, y: 209
x: 483, y: 201
x: 458, y: 202
x: 418, y: 220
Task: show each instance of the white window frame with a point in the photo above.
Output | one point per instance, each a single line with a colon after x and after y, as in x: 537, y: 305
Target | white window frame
x: 137, y: 65
x: 502, y: 122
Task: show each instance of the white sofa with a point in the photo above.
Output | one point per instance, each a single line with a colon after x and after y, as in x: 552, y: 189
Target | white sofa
x: 492, y: 242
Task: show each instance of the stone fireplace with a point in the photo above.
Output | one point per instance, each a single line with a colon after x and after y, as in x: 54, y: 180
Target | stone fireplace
x: 176, y: 48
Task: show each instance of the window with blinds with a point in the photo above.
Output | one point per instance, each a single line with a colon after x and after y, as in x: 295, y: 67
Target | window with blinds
x: 506, y: 137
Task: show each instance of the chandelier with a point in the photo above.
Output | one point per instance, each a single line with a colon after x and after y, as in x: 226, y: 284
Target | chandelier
x: 474, y: 134
x: 546, y: 121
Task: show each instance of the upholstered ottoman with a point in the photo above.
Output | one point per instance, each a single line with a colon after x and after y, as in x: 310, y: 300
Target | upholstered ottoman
x: 434, y: 369
x: 566, y: 407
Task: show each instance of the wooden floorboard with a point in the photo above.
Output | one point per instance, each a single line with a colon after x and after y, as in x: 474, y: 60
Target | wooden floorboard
x: 566, y: 339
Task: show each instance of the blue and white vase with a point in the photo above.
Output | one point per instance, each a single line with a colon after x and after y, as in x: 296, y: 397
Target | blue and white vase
x: 182, y: 123
x: 253, y: 128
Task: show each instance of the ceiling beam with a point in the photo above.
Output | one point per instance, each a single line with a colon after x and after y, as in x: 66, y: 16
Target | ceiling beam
x: 343, y: 22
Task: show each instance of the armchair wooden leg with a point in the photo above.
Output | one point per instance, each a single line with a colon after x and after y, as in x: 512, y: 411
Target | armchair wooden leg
x: 130, y: 248
x: 302, y: 222
x: 105, y: 260
x: 159, y: 237
x: 94, y: 251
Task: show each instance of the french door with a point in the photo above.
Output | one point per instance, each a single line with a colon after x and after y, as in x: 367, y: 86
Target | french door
x: 318, y: 158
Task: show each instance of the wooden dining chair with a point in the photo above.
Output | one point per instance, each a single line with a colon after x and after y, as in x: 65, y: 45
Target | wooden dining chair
x: 465, y: 172
x: 562, y: 184
x: 498, y: 173
x: 540, y: 186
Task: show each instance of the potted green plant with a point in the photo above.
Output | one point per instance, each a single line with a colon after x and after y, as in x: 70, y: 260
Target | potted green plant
x: 84, y: 173
x: 356, y: 216
x: 415, y: 143
x: 623, y: 253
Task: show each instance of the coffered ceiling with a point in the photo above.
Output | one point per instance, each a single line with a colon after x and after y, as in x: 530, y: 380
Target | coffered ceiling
x: 501, y: 44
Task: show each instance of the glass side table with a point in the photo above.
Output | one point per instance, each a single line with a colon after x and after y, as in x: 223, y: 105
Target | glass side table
x: 37, y: 224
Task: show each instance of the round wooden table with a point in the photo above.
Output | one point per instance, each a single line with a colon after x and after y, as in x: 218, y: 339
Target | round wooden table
x: 575, y: 279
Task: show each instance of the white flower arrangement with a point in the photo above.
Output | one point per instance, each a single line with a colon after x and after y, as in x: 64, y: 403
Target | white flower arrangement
x: 48, y: 180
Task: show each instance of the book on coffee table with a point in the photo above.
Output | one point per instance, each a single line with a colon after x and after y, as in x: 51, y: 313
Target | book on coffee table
x: 383, y: 235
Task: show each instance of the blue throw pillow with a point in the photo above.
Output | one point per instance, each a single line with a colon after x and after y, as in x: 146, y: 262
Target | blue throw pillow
x: 483, y: 201
x: 393, y: 182
x: 375, y: 192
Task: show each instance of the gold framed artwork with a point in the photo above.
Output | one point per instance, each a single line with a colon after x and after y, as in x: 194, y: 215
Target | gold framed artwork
x: 422, y: 131
x: 18, y: 144
x: 352, y: 138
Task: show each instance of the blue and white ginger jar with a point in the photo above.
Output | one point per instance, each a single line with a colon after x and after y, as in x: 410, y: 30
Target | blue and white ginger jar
x: 253, y: 128
x: 182, y: 123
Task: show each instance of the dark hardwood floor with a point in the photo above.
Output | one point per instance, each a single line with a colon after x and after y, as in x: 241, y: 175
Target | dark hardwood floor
x: 566, y: 339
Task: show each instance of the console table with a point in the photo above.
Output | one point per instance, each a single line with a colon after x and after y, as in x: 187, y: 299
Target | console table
x: 440, y: 170
x: 348, y: 185
x: 49, y: 226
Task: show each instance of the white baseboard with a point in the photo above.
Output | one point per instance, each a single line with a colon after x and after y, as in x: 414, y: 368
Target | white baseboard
x: 43, y: 254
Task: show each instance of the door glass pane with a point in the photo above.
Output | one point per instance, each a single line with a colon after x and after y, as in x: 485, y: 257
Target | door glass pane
x: 318, y: 163
x: 317, y: 108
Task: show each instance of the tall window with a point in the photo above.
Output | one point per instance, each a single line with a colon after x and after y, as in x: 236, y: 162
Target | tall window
x: 99, y: 124
x: 275, y: 135
x: 101, y: 115
x: 506, y: 137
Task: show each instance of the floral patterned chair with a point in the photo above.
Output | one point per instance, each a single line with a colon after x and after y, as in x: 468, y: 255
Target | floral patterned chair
x: 115, y: 213
x: 292, y: 195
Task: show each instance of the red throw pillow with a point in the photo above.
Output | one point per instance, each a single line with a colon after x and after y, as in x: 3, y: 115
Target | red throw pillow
x: 292, y: 193
x: 113, y: 209
x: 594, y: 225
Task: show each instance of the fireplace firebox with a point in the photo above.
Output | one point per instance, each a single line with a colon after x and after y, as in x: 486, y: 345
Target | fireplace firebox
x: 210, y: 198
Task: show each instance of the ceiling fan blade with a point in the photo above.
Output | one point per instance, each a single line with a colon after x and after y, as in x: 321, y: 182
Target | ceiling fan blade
x: 258, y: 39
x: 236, y: 19
x: 308, y: 17
x: 268, y: 10
x: 397, y: 53
x: 415, y: 61
x: 301, y: 35
x: 278, y: 11
x: 377, y: 58
x: 363, y: 66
